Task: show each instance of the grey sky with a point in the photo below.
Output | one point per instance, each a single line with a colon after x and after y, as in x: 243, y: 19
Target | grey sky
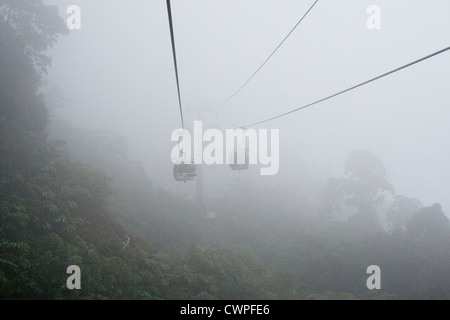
x: 118, y: 72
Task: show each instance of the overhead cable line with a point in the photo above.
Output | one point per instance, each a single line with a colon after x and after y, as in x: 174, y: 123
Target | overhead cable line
x: 270, y: 56
x: 351, y: 88
x: 172, y: 37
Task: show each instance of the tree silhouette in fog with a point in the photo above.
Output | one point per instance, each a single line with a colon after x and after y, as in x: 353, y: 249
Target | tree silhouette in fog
x: 429, y: 223
x: 363, y: 189
x: 401, y: 211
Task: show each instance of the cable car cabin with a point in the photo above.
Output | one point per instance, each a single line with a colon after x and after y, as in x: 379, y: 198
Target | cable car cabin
x: 236, y: 157
x: 184, y: 171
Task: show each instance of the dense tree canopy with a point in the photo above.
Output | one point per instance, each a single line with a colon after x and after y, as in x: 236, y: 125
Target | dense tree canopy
x: 35, y: 25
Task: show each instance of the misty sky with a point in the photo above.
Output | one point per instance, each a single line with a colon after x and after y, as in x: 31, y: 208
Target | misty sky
x: 118, y: 72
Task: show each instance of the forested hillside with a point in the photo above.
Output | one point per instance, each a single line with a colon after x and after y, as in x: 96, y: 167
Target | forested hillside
x: 80, y: 200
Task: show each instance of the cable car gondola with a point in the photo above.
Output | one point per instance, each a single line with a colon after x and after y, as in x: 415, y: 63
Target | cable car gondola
x: 184, y: 171
x: 235, y: 159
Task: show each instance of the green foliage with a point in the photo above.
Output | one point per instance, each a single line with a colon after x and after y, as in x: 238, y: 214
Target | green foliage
x: 36, y: 25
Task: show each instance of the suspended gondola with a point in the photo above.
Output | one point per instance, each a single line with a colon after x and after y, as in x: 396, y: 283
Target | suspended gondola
x: 184, y: 171
x: 239, y: 159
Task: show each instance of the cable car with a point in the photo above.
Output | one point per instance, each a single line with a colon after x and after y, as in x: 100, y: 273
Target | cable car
x: 184, y: 170
x: 236, y: 157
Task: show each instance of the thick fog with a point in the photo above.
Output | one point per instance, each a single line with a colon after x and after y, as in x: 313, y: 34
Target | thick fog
x: 117, y: 72
x: 341, y: 190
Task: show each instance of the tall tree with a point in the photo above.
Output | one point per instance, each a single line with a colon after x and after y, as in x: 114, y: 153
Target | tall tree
x: 429, y: 223
x: 36, y: 25
x: 363, y: 188
x: 401, y: 212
